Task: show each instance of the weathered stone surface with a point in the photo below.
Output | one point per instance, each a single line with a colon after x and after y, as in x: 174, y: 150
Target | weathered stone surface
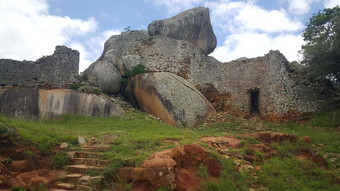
x: 158, y: 53
x: 105, y: 75
x: 49, y: 103
x: 127, y: 62
x: 169, y: 97
x: 57, y: 70
x: 192, y: 25
x: 63, y: 145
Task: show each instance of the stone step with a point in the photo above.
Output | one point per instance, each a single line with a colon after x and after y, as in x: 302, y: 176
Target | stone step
x: 72, y: 178
x: 81, y: 168
x: 84, y: 188
x: 86, y: 154
x: 66, y: 186
x: 88, y: 180
x: 90, y: 161
x: 101, y: 148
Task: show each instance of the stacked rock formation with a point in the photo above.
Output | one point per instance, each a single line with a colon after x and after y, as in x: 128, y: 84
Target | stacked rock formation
x: 163, y: 50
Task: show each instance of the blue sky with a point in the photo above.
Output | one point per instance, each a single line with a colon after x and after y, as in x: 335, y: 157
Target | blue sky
x: 249, y: 28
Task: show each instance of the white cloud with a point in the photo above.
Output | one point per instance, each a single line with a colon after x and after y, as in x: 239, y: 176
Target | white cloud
x: 95, y: 47
x: 28, y: 31
x: 300, y: 7
x: 332, y: 3
x: 252, y: 31
x: 254, y: 44
x: 245, y: 16
x: 175, y: 6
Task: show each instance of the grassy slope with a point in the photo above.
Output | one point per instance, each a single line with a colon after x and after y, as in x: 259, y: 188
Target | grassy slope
x: 138, y: 136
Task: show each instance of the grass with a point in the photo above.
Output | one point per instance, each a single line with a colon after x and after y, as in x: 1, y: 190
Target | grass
x: 137, y: 136
x: 291, y: 174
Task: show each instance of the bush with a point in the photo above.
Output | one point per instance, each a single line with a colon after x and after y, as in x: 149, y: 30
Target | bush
x: 75, y: 86
x: 135, y: 70
x: 60, y: 159
x: 97, y: 91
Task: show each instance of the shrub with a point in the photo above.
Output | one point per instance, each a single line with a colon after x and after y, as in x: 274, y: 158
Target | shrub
x: 135, y: 70
x: 60, y: 159
x: 97, y: 91
x: 75, y: 86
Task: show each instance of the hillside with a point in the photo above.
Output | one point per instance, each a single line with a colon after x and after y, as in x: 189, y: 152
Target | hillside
x: 225, y: 152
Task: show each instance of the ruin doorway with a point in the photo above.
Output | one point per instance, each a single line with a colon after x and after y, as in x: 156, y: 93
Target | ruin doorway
x: 254, y: 102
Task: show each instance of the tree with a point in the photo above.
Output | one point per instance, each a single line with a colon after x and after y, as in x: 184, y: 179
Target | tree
x: 321, y: 53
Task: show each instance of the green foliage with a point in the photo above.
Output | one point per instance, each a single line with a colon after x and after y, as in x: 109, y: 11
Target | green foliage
x: 60, y: 160
x: 46, y: 148
x: 124, y: 81
x: 39, y: 187
x: 75, y: 86
x: 8, y: 160
x: 135, y: 70
x: 127, y: 29
x: 18, y: 188
x: 3, y: 129
x: 92, y: 172
x: 203, y: 172
x: 97, y: 91
x: 321, y: 53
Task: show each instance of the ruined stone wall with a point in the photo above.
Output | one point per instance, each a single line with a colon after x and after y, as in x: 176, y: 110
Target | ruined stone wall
x: 283, y: 94
x: 57, y: 70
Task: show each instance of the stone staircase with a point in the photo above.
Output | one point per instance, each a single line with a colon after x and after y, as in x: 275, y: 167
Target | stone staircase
x: 85, y: 163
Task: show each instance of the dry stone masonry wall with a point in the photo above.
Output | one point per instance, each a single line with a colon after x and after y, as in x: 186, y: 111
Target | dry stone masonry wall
x: 57, y: 70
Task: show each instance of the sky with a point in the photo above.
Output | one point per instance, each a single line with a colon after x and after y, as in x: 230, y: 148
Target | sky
x: 249, y: 28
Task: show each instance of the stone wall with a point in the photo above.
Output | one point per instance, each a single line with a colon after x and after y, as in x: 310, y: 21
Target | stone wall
x: 57, y: 70
x: 282, y: 93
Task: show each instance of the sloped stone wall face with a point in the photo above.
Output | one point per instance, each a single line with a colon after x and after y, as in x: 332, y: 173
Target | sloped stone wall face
x: 57, y: 70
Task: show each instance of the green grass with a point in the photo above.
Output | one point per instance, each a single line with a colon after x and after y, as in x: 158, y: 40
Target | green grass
x: 291, y: 174
x: 324, y: 129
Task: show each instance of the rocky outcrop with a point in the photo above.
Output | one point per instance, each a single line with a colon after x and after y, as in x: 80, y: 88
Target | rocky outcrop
x: 264, y: 86
x: 104, y: 75
x: 39, y: 103
x: 169, y: 97
x: 192, y: 25
x: 58, y: 70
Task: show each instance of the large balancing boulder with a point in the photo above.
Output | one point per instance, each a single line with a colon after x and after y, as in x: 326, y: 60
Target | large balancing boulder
x: 192, y: 25
x: 105, y: 75
x: 169, y: 97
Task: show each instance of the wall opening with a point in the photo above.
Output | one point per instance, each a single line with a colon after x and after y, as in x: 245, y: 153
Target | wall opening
x: 254, y: 102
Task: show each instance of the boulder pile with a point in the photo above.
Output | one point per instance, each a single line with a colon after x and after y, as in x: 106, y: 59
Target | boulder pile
x: 166, y: 50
